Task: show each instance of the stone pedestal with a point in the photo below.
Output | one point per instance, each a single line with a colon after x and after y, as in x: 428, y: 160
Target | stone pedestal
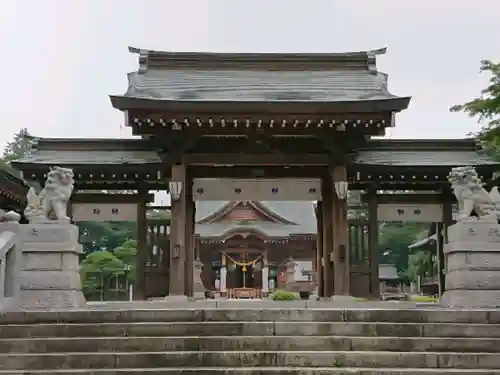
x: 472, y: 263
x: 291, y: 285
x: 49, y: 276
x: 198, y: 288
x: 223, y: 281
x: 265, y: 281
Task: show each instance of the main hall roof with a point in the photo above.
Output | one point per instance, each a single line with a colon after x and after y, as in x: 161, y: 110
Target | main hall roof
x: 300, y: 213
x: 257, y: 77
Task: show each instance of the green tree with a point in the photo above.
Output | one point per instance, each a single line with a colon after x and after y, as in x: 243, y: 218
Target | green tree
x: 127, y: 252
x: 420, y: 264
x: 19, y: 147
x: 486, y: 108
x: 394, y: 239
x: 97, y: 270
x: 105, y: 235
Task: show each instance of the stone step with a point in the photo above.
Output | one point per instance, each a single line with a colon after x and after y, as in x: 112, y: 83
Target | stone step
x: 249, y: 343
x: 394, y: 315
x: 262, y: 371
x: 236, y: 328
x: 333, y: 359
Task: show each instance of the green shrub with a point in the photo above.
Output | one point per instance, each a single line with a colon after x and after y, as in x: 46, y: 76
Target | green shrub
x: 282, y: 295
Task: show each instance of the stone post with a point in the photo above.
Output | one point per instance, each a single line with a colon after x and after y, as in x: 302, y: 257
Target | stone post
x: 49, y: 276
x: 314, y: 281
x: 265, y: 278
x: 290, y: 274
x: 198, y: 288
x: 223, y: 280
x: 473, y: 265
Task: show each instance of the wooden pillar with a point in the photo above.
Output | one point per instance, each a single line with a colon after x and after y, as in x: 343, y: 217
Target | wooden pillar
x: 440, y: 258
x: 178, y: 229
x: 190, y: 258
x: 442, y: 239
x: 327, y: 235
x: 341, y: 261
x: 319, y: 249
x: 373, y: 243
x: 142, y: 248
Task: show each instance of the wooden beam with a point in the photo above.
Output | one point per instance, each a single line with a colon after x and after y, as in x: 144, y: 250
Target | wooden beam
x: 31, y: 171
x: 409, y: 198
x: 289, y: 111
x: 94, y: 185
x: 111, y: 198
x: 256, y: 159
x: 258, y: 172
x: 412, y: 186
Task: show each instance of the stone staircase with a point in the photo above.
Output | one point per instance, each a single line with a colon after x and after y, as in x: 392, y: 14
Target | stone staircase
x: 249, y: 341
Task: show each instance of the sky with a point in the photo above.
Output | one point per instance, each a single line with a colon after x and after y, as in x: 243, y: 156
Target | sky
x: 61, y: 59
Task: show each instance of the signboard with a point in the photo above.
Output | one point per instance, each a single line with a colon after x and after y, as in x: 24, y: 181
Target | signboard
x: 104, y: 212
x: 419, y: 213
x: 285, y: 189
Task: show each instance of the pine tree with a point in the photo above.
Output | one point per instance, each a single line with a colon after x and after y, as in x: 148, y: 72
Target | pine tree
x: 19, y: 147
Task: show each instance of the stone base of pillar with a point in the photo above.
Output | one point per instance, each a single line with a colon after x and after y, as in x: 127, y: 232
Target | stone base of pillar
x: 315, y: 292
x: 49, y: 275
x: 339, y: 298
x: 473, y: 261
x: 176, y: 298
x: 198, y: 287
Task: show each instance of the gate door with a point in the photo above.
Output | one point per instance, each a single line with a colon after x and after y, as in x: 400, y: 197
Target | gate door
x: 360, y: 258
x: 158, y: 261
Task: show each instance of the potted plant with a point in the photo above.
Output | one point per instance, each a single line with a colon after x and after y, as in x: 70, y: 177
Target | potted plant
x: 304, y: 294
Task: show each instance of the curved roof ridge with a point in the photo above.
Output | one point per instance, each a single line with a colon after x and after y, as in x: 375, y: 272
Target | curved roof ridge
x: 174, y: 54
x: 161, y: 59
x: 237, y: 230
x: 211, y: 216
x: 268, y: 211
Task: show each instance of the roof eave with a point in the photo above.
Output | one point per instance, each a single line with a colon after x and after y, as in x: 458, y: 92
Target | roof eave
x: 395, y: 104
x: 7, y: 176
x: 490, y: 166
x: 461, y: 144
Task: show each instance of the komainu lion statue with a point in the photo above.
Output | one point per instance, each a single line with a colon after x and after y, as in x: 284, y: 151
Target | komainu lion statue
x: 53, y: 198
x: 472, y: 197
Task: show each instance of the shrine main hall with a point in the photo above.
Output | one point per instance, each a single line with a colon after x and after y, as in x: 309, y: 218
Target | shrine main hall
x: 263, y: 127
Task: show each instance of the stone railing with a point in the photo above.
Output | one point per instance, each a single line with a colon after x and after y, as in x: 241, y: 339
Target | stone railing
x: 9, y: 264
